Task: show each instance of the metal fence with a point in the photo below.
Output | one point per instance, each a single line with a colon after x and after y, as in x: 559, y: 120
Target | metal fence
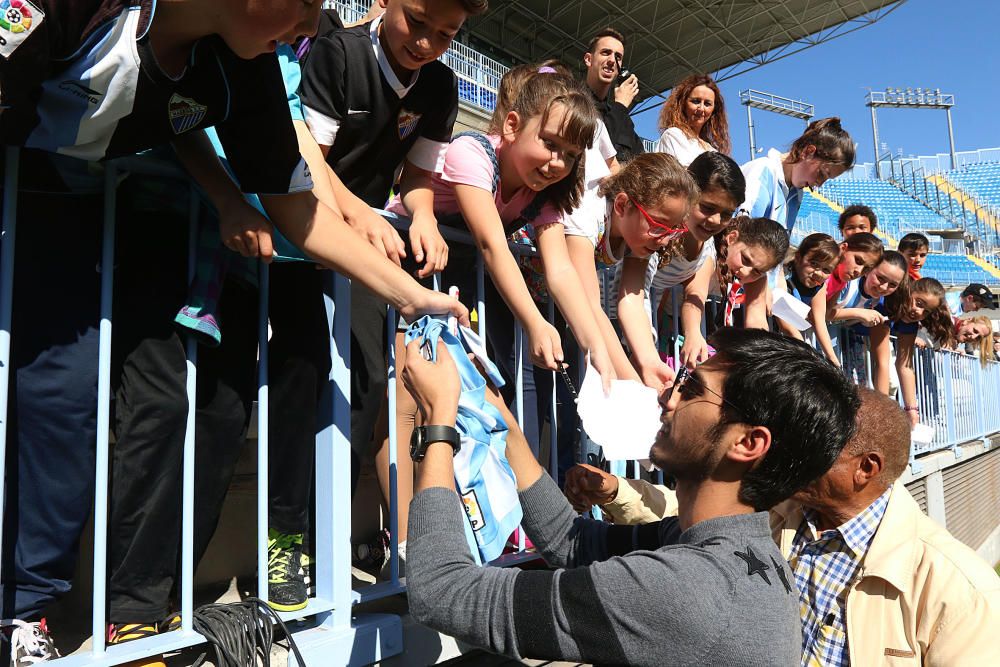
x: 962, y: 398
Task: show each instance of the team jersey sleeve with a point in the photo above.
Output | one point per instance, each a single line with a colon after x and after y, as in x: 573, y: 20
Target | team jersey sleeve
x: 257, y: 135
x: 429, y: 149
x: 323, y: 89
x: 759, y: 187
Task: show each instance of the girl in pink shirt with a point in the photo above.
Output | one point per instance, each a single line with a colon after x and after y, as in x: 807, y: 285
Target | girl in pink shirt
x: 527, y: 170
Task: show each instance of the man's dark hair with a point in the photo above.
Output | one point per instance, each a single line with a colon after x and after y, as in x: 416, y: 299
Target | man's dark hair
x: 606, y: 32
x: 857, y: 209
x: 807, y: 404
x: 913, y: 241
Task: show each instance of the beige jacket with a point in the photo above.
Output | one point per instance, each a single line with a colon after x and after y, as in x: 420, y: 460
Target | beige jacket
x: 920, y: 597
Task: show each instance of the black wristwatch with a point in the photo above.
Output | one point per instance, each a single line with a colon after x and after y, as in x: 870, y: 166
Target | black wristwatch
x: 425, y: 435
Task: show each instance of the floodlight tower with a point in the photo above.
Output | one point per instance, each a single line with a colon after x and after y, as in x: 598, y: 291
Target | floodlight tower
x: 920, y: 98
x: 785, y: 106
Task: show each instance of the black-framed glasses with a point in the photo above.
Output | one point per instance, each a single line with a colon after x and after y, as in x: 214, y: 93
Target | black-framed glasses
x: 684, y: 375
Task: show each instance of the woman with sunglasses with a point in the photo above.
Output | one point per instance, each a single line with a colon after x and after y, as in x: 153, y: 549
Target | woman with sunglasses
x: 721, y: 186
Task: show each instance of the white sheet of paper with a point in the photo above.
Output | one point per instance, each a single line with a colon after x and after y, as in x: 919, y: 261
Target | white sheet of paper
x: 624, y: 423
x: 922, y: 434
x: 791, y: 310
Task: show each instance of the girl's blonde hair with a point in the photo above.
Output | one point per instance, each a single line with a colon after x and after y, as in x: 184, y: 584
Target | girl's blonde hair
x: 531, y: 91
x: 984, y: 344
x: 832, y: 142
x: 647, y: 179
x: 716, y: 131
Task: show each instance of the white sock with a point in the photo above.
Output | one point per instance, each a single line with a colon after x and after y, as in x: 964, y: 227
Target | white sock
x: 402, y: 550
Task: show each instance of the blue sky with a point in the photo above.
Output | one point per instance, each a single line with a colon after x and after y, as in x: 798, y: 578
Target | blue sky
x: 928, y: 43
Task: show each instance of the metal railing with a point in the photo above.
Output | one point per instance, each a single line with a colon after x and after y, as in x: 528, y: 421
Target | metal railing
x: 335, y: 634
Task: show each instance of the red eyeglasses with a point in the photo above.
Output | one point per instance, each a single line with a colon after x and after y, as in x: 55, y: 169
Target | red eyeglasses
x: 656, y: 228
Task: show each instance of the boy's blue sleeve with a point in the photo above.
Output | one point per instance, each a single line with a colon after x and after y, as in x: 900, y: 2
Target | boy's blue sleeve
x: 291, y: 73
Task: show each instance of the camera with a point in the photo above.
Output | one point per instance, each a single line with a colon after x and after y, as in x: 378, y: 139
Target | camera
x: 623, y: 72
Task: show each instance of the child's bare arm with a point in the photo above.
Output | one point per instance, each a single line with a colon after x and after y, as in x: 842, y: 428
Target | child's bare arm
x: 817, y: 316
x: 479, y: 210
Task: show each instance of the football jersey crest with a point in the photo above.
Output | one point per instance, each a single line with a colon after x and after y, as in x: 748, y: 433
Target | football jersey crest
x: 184, y: 113
x: 18, y: 18
x: 407, y: 122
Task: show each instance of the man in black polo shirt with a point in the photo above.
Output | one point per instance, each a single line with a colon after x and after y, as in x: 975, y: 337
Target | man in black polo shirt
x: 603, y: 60
x: 375, y: 97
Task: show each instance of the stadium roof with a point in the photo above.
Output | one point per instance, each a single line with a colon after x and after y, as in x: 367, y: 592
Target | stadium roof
x: 669, y: 39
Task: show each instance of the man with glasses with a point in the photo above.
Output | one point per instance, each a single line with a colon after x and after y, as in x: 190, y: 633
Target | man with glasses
x: 876, y: 577
x: 756, y: 423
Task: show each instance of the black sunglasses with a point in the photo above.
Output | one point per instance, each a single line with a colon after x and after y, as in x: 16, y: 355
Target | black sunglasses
x: 684, y: 375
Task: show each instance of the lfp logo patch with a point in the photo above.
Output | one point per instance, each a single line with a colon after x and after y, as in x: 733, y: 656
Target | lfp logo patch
x: 18, y: 18
x: 184, y: 113
x: 407, y: 122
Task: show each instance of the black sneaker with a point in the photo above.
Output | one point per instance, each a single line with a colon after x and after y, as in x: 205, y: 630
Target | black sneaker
x: 30, y: 643
x: 286, y: 585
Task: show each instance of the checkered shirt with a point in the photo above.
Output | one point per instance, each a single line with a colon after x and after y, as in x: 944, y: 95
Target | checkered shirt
x: 825, y: 564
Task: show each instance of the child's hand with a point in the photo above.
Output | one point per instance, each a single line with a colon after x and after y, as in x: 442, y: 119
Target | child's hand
x: 428, y: 245
x: 657, y: 375
x: 914, y: 416
x: 601, y: 361
x: 694, y: 351
x: 545, y: 345
x: 429, y: 302
x: 586, y: 486
x: 376, y: 230
x: 872, y: 318
x: 245, y: 230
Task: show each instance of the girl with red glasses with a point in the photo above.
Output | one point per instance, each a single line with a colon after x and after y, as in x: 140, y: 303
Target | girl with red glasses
x: 646, y: 284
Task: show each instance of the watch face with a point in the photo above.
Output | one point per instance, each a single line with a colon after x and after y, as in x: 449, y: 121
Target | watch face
x: 416, y: 440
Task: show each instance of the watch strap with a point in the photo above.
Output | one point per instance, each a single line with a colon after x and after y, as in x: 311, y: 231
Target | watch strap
x: 438, y: 433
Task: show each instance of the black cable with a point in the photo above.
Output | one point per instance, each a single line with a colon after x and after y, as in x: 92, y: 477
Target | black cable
x: 241, y: 633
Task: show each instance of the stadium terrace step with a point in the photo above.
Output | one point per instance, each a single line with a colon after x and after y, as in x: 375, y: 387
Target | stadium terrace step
x: 986, y: 266
x: 965, y: 199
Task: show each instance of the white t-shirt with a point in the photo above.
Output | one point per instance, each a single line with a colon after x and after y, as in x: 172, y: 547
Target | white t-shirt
x: 596, y: 165
x: 681, y: 146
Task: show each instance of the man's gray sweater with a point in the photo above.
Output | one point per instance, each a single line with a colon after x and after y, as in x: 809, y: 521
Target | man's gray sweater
x: 718, y: 593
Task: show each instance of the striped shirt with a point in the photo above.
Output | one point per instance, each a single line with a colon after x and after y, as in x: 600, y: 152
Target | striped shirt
x: 825, y: 565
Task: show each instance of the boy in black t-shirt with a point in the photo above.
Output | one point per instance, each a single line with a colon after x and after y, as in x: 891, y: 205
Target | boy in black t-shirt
x: 376, y: 98
x: 94, y: 79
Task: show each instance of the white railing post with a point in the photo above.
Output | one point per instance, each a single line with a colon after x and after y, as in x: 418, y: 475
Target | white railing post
x: 103, y: 413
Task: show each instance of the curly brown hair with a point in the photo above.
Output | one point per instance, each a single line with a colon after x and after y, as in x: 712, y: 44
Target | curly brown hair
x: 715, y: 131
x: 647, y: 179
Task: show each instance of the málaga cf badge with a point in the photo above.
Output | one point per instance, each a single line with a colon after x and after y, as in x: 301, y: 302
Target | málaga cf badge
x: 185, y: 113
x: 407, y: 122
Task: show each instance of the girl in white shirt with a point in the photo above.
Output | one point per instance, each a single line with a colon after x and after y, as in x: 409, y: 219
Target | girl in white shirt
x: 693, y: 120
